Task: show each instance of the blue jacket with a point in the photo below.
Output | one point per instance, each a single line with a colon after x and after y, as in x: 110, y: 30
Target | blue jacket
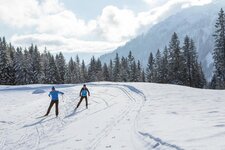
x: 54, y: 95
x: 84, y: 92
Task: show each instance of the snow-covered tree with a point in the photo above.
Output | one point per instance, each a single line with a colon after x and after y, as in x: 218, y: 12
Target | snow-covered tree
x: 84, y: 73
x: 133, y: 72
x: 61, y: 67
x: 175, y: 62
x: 165, y: 71
x: 139, y: 71
x: 53, y: 71
x: 12, y: 75
x: 98, y: 71
x: 110, y: 70
x: 19, y: 67
x: 35, y: 65
x: 105, y: 73
x: 92, y: 70
x: 124, y: 70
x: 70, y: 72
x: 150, y: 68
x: 117, y: 69
x: 45, y: 75
x: 219, y: 51
x: 143, y: 76
x: 130, y: 60
x: 157, y: 74
x: 4, y: 62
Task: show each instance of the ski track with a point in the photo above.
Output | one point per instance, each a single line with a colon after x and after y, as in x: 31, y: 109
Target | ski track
x: 34, y: 132
x: 111, y: 125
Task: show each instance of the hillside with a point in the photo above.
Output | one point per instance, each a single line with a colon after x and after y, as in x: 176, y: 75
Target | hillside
x: 197, y: 22
x: 120, y: 116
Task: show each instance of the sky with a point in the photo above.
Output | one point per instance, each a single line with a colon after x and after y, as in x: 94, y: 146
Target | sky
x: 83, y: 26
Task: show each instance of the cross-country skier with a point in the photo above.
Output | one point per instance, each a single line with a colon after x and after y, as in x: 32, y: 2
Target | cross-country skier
x: 54, y: 100
x: 83, y: 94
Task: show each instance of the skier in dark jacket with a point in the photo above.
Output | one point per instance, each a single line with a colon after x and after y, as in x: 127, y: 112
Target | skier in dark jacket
x: 54, y: 100
x: 83, y: 94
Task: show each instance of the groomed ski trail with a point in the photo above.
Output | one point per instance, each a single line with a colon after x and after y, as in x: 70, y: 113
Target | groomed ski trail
x: 112, y: 118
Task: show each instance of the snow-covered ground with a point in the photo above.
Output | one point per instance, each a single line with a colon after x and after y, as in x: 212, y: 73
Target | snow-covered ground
x: 127, y: 116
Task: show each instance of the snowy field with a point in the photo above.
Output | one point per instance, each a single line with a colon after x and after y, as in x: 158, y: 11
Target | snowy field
x: 121, y: 116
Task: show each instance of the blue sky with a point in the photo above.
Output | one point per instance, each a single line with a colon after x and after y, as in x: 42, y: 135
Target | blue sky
x: 92, y: 26
x: 86, y: 10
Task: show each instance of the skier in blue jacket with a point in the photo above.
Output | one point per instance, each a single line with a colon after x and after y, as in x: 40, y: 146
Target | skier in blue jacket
x: 83, y: 95
x: 54, y: 100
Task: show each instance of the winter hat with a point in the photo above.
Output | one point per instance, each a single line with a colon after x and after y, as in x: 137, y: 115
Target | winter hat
x: 53, y: 88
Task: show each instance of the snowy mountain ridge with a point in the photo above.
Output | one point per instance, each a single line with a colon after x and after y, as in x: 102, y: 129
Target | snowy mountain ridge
x: 196, y: 22
x: 125, y: 116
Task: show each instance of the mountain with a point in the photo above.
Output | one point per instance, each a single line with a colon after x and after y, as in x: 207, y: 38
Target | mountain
x: 120, y: 116
x: 197, y: 22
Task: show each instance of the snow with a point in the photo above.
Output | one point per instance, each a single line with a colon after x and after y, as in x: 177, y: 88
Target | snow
x: 38, y: 91
x: 124, y: 116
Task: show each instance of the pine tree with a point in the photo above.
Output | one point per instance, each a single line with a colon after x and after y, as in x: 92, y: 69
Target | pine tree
x: 157, y: 74
x: 213, y: 82
x: 45, y: 75
x: 165, y: 71
x: 92, y: 70
x: 4, y: 62
x: 150, y: 68
x: 110, y: 70
x: 35, y: 71
x: 12, y: 75
x: 133, y: 72
x: 77, y: 70
x: 28, y: 68
x: 124, y: 70
x: 105, y: 73
x: 19, y: 67
x: 53, y: 72
x: 143, y: 78
x: 130, y: 60
x: 70, y: 72
x: 202, y: 81
x: 116, y: 69
x: 219, y: 51
x: 197, y: 76
x: 175, y: 62
x: 188, y: 64
x: 84, y: 73
x: 139, y: 71
x: 61, y: 67
x: 98, y: 71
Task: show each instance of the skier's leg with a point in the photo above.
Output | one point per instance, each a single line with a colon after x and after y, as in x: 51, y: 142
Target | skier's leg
x: 86, y: 102
x: 49, y: 108
x: 56, y: 108
x: 79, y: 102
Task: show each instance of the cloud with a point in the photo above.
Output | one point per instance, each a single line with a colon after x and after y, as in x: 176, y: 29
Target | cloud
x: 162, y: 2
x: 19, y: 14
x: 155, y: 3
x: 60, y: 43
x: 166, y: 8
x: 62, y: 23
x: 58, y: 28
x: 117, y: 24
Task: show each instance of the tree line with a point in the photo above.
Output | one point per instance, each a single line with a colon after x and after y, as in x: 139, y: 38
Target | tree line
x: 176, y: 64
